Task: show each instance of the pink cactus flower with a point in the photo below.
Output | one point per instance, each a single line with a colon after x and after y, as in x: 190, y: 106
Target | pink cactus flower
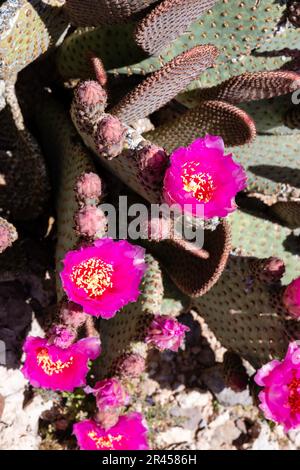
x: 280, y: 398
x: 130, y: 433
x: 109, y: 393
x: 166, y: 333
x: 291, y: 298
x: 202, y: 175
x: 104, y: 277
x: 49, y: 366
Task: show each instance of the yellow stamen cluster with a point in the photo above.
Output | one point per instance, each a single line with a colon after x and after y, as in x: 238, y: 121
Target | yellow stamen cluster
x: 105, y: 441
x: 200, y: 184
x: 93, y: 276
x: 51, y: 367
x: 294, y: 395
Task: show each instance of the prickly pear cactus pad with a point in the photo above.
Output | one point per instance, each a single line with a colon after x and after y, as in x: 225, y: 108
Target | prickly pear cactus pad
x: 69, y: 160
x: 27, y: 30
x: 249, y: 37
x: 125, y: 334
x: 254, y: 236
x: 24, y: 190
x: 246, y: 313
x: 272, y: 164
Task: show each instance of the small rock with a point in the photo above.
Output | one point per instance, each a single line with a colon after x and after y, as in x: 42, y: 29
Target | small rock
x: 163, y: 396
x: 149, y: 387
x: 19, y: 424
x: 175, y: 435
x: 264, y: 440
x: 224, y: 435
x: 2, y: 404
x: 227, y: 397
x: 191, y: 418
x: 193, y: 399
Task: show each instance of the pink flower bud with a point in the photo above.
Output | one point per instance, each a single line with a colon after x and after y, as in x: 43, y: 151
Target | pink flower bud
x: 152, y: 161
x: 166, y: 333
x: 107, y: 419
x: 109, y: 394
x: 72, y: 315
x: 61, y: 336
x: 90, y: 94
x: 90, y: 221
x: 132, y: 365
x: 110, y: 136
x: 156, y: 229
x: 273, y: 270
x: 291, y: 298
x: 8, y: 234
x: 88, y: 186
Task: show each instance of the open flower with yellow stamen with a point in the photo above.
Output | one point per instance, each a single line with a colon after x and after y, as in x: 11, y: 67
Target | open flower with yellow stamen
x: 280, y: 397
x: 104, y: 277
x: 202, y: 175
x: 49, y: 366
x: 130, y: 433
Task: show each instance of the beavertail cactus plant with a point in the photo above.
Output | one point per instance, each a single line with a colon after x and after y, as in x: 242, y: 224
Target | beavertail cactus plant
x: 188, y: 110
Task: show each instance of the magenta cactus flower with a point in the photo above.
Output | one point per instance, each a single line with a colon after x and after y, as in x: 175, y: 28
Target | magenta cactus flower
x: 130, y: 433
x: 104, y: 277
x: 291, y: 298
x: 109, y: 394
x: 202, y: 175
x: 49, y: 366
x: 280, y: 397
x: 166, y: 333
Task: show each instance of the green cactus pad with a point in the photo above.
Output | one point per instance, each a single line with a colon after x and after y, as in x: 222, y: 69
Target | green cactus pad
x: 69, y: 159
x: 27, y: 30
x: 272, y: 165
x: 287, y: 212
x: 209, y: 117
x: 113, y: 44
x: 125, y: 332
x: 193, y: 273
x: 256, y: 236
x: 24, y: 189
x: 245, y: 314
x: 268, y: 115
x: 236, y: 29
